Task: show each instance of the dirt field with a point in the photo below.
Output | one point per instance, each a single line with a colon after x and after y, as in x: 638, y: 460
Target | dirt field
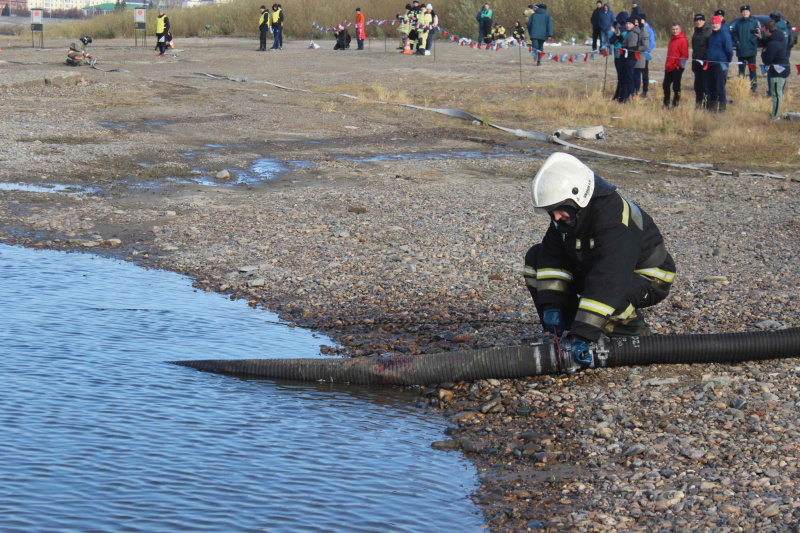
x: 396, y: 230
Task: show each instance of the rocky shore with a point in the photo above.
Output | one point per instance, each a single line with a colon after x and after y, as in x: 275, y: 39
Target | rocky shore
x: 423, y: 254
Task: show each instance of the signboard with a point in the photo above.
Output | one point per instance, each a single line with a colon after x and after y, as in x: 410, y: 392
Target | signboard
x: 37, y: 16
x: 139, y: 15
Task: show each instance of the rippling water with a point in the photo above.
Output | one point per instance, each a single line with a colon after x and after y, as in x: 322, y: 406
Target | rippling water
x: 98, y: 434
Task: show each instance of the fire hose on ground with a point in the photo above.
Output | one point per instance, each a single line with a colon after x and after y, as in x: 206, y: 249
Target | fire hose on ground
x: 516, y: 361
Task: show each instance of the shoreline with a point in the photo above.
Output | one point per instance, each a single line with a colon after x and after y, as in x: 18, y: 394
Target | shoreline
x: 424, y: 255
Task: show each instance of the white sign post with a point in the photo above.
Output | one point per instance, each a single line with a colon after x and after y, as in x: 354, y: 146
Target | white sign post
x: 37, y: 26
x: 140, y: 25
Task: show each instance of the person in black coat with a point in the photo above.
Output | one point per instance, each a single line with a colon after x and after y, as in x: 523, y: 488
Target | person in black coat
x: 776, y: 56
x: 596, y: 30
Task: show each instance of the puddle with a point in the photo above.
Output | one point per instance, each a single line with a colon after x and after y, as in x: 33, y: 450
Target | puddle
x: 425, y: 156
x: 114, y: 125
x: 49, y: 187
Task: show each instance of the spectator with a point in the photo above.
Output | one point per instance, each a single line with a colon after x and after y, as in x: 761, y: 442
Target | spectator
x: 776, y: 56
x: 616, y: 39
x: 596, y: 30
x: 636, y: 9
x: 677, y: 54
x: 720, y: 53
x: 276, y: 23
x: 263, y: 28
x: 540, y: 28
x: 630, y: 45
x: 699, y: 55
x: 641, y: 59
x: 746, y: 32
x: 651, y: 44
x: 432, y: 31
x: 519, y: 32
x: 781, y: 25
x: 484, y: 18
x: 607, y: 23
x: 342, y: 38
x: 361, y: 30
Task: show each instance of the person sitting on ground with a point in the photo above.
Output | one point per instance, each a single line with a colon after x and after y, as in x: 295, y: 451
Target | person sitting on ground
x: 342, y: 38
x: 498, y: 33
x: 519, y: 32
x: 76, y: 55
x: 600, y: 261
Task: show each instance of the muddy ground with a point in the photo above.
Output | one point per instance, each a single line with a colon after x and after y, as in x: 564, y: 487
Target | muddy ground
x: 396, y: 230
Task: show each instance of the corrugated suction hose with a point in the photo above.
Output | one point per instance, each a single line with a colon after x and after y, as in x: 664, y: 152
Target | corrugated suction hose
x: 516, y: 361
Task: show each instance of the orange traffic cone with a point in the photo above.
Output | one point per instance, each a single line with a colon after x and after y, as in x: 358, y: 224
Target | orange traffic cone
x: 407, y: 48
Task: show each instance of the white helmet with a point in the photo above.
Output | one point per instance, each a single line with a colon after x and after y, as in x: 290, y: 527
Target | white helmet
x: 562, y: 177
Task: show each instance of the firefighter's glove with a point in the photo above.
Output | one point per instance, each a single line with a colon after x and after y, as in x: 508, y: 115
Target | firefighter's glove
x: 553, y: 321
x: 580, y: 351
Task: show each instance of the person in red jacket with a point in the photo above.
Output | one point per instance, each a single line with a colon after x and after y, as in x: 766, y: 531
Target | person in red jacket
x: 361, y: 29
x: 677, y: 55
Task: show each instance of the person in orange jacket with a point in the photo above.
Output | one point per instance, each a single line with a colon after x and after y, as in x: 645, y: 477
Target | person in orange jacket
x: 677, y: 55
x: 361, y: 29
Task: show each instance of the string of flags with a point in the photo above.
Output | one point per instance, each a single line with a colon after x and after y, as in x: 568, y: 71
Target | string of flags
x: 510, y: 42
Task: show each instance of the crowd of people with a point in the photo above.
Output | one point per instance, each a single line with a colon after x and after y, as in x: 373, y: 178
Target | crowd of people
x: 418, y: 25
x: 630, y: 38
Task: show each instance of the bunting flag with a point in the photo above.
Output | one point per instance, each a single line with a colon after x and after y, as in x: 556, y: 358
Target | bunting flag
x: 636, y: 55
x: 647, y: 56
x: 752, y: 67
x: 659, y: 57
x: 705, y: 67
x: 586, y: 57
x: 571, y: 58
x: 683, y: 62
x: 764, y: 69
x: 724, y: 66
x: 779, y: 68
x: 798, y: 69
x: 605, y: 52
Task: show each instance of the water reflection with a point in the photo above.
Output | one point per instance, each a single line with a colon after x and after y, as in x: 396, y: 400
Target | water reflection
x: 99, y: 434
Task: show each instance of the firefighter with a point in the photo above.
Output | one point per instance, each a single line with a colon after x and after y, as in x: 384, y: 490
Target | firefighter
x: 601, y: 260
x: 423, y: 26
x: 76, y: 55
x: 405, y: 26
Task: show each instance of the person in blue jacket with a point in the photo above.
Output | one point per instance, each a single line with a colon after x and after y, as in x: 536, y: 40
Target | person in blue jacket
x: 606, y: 21
x: 746, y: 32
x: 645, y: 72
x: 720, y: 54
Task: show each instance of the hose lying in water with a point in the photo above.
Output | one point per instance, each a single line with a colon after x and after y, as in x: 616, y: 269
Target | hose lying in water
x: 516, y: 361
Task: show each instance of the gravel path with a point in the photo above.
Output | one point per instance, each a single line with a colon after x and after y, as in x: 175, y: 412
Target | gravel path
x: 423, y: 254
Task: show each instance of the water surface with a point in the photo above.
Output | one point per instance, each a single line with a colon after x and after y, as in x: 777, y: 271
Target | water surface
x: 99, y: 434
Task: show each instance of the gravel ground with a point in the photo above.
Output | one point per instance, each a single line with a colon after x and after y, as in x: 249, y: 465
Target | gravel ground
x: 421, y: 253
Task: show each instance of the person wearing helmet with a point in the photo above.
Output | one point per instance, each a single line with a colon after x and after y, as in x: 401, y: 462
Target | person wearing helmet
x: 76, y: 55
x: 601, y: 260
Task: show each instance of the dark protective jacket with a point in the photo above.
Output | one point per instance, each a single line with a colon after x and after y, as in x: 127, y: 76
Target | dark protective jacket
x: 745, y: 41
x: 700, y: 42
x: 612, y: 242
x: 519, y: 32
x: 775, y: 54
x: 540, y: 25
